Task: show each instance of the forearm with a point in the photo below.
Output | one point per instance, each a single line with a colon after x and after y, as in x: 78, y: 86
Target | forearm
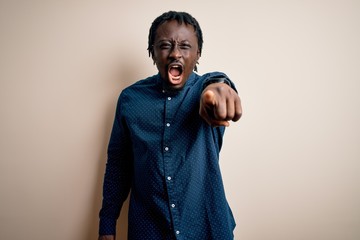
x: 117, y: 182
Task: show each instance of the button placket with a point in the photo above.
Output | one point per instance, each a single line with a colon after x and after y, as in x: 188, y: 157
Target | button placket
x: 170, y: 105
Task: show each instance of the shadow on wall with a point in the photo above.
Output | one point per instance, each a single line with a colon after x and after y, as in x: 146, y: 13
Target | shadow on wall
x: 123, y: 79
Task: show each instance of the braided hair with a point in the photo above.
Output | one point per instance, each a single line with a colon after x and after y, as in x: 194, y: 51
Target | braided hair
x: 180, y: 17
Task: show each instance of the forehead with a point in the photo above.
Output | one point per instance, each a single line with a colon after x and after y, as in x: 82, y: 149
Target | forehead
x: 173, y: 30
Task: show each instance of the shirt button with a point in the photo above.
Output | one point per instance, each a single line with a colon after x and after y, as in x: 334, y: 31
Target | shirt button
x: 169, y: 178
x: 172, y: 205
x: 169, y: 98
x: 168, y: 124
x: 177, y: 232
x: 166, y: 149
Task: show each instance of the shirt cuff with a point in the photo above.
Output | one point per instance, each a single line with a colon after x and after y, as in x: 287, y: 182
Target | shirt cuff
x: 218, y: 79
x: 107, y: 226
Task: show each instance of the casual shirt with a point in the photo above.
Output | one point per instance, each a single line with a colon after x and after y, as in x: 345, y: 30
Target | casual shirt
x: 168, y: 156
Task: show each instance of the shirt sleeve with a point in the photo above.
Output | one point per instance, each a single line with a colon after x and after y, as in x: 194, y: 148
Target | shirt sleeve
x: 118, y: 173
x: 217, y: 77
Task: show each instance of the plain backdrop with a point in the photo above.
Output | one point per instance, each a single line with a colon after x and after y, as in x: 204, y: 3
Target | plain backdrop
x: 291, y: 165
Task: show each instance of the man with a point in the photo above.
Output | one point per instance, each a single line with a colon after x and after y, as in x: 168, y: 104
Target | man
x: 165, y: 143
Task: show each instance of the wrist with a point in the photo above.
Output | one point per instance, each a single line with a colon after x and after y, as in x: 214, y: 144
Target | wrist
x: 216, y: 80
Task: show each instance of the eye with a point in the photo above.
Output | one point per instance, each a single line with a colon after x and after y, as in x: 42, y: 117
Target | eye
x: 185, y: 46
x: 165, y: 46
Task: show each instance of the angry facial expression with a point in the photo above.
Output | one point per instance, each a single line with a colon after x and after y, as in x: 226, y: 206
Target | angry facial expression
x: 176, y: 53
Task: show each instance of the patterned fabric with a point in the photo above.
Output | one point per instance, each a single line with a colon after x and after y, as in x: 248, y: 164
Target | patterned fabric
x: 168, y: 156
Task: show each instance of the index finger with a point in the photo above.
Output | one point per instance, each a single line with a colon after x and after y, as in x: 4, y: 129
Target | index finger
x: 209, y: 98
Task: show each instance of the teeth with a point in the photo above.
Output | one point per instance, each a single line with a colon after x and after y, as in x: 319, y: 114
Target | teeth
x: 179, y: 68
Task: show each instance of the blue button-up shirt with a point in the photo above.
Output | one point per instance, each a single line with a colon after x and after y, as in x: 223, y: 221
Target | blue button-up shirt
x: 168, y: 156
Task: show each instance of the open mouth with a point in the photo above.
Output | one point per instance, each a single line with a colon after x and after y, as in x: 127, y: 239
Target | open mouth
x: 175, y: 71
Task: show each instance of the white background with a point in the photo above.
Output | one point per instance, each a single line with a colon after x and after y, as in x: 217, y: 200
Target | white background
x: 290, y: 166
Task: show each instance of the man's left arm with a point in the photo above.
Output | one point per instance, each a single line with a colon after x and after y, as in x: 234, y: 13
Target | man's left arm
x: 219, y: 104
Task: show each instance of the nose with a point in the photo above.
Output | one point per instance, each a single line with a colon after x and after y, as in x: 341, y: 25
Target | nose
x: 175, y: 52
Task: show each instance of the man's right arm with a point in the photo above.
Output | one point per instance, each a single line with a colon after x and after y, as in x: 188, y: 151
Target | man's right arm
x: 118, y: 175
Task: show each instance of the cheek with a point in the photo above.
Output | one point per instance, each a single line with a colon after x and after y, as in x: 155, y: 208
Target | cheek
x: 194, y: 59
x: 158, y: 58
x: 159, y: 64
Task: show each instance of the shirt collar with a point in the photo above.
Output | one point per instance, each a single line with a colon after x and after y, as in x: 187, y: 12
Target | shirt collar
x: 188, y: 84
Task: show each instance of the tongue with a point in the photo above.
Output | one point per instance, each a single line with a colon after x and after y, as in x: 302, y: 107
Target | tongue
x: 174, y: 72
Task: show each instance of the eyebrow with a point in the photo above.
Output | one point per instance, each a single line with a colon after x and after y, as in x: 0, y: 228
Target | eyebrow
x: 172, y: 41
